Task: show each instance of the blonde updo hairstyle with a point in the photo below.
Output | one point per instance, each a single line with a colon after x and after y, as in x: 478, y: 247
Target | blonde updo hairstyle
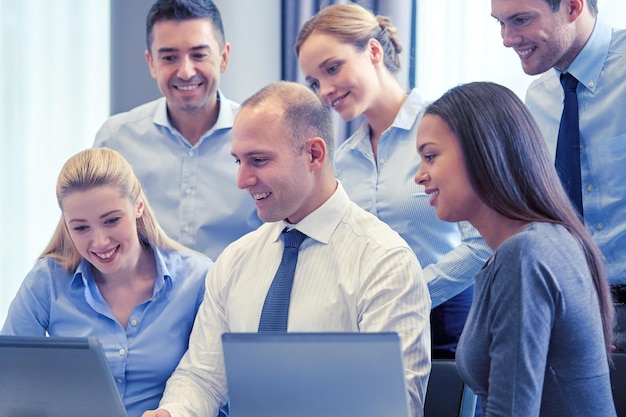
x: 355, y: 25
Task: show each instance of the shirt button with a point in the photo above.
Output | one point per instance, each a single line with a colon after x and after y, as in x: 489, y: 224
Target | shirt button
x: 590, y: 84
x: 122, y: 352
x: 600, y: 226
x: 120, y: 380
x: 382, y: 161
x: 133, y: 322
x: 188, y: 191
x: 190, y: 153
x: 187, y: 229
x: 589, y: 188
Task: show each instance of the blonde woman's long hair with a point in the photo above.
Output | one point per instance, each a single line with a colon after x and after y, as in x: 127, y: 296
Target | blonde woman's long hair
x: 100, y: 167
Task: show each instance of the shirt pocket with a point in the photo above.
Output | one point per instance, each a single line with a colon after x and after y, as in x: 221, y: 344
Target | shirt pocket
x: 612, y: 157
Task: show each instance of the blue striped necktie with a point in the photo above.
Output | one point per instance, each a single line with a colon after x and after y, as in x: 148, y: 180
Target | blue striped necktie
x: 568, y: 144
x: 276, y: 306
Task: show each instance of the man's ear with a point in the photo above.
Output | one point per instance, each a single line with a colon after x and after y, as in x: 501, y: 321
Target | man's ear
x: 150, y: 64
x: 316, y: 149
x: 574, y: 8
x: 225, y: 57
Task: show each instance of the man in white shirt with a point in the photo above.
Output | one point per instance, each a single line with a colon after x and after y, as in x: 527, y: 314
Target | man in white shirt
x: 353, y: 274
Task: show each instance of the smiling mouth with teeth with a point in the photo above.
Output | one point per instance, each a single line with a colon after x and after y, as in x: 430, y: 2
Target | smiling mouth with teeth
x: 187, y: 87
x: 261, y: 196
x: 524, y: 52
x: 337, y: 101
x: 108, y: 254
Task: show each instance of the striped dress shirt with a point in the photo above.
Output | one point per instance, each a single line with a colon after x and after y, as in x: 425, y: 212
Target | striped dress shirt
x: 354, y: 274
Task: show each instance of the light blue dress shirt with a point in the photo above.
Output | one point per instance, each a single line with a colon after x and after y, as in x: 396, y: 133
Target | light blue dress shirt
x: 450, y: 253
x: 601, y: 71
x: 142, y: 356
x: 192, y: 189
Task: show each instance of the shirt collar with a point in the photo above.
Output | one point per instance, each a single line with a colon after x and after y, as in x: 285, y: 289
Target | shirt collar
x: 321, y: 223
x: 83, y: 272
x: 405, y: 119
x: 587, y: 66
x: 224, y: 120
x: 411, y: 108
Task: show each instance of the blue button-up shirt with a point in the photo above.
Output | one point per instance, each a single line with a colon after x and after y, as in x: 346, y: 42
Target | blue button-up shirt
x: 142, y: 356
x: 601, y: 71
x: 192, y: 189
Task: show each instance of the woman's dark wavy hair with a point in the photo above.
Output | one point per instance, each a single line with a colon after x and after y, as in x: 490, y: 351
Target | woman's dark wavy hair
x: 510, y: 169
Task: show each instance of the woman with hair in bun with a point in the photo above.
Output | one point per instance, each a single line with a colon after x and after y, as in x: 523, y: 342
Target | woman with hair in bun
x: 349, y: 57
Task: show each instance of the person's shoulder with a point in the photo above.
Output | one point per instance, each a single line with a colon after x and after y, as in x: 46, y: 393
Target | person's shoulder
x: 134, y: 123
x: 228, y: 108
x: 249, y: 240
x: 47, y: 271
x: 543, y: 238
x: 376, y: 232
x: 618, y: 41
x: 345, y: 148
x: 136, y: 114
x: 48, y: 264
x: 185, y: 258
x: 230, y: 103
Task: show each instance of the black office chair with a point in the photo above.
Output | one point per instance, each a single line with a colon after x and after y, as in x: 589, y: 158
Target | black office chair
x: 618, y: 383
x: 446, y: 394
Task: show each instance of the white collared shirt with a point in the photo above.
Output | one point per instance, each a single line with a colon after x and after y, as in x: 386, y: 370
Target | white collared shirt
x: 354, y: 274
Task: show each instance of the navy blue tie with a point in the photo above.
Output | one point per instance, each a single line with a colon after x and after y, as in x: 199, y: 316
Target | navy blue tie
x: 568, y: 145
x: 276, y: 306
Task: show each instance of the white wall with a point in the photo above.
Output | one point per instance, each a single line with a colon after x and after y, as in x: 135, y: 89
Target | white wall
x: 54, y: 85
x: 459, y: 42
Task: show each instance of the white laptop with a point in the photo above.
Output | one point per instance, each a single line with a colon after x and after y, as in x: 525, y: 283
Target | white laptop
x: 56, y: 377
x: 315, y: 375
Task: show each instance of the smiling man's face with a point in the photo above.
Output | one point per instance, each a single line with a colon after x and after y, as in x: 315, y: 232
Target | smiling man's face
x: 542, y: 38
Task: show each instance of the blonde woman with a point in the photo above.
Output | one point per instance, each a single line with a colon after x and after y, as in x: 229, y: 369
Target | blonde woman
x: 350, y: 57
x: 110, y: 271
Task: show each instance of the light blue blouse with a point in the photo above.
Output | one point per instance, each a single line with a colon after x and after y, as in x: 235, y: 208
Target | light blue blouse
x: 142, y: 356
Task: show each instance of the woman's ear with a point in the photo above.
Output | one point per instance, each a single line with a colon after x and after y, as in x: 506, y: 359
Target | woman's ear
x: 376, y: 51
x: 139, y: 209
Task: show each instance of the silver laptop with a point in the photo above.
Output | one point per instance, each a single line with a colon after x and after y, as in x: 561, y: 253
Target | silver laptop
x: 315, y: 375
x: 56, y: 377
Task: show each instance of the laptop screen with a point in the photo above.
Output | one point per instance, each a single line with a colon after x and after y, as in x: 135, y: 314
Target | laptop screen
x: 56, y: 377
x: 315, y: 374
